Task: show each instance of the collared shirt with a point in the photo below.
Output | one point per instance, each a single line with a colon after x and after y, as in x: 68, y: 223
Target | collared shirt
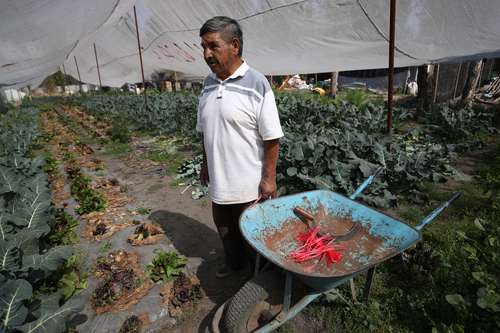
x: 236, y: 116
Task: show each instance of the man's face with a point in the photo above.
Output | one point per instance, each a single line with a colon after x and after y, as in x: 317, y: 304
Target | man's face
x: 219, y: 54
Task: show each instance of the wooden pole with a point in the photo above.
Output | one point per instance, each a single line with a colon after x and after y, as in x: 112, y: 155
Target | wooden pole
x: 456, y: 80
x: 98, y: 71
x: 390, y: 88
x: 65, y: 78
x: 333, y: 90
x: 479, y: 79
x: 436, y: 85
x: 140, y: 59
x: 79, y: 77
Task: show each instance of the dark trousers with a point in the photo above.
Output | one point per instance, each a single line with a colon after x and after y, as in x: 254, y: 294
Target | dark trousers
x: 226, y: 218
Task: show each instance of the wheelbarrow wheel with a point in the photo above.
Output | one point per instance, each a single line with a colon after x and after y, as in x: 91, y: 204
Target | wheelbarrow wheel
x: 255, y: 304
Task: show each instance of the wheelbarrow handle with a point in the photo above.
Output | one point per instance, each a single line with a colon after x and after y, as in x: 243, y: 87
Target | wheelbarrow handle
x: 435, y: 213
x: 365, y: 184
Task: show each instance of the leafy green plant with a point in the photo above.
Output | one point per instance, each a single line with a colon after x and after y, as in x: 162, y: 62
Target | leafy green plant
x: 51, y: 165
x: 67, y: 156
x: 25, y: 217
x: 119, y: 130
x: 89, y: 200
x: 357, y: 97
x: 165, y: 266
x: 458, y: 125
x: 63, y: 229
x: 116, y: 284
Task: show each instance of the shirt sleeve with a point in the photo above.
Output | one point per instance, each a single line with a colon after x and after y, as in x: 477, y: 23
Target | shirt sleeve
x: 268, y: 119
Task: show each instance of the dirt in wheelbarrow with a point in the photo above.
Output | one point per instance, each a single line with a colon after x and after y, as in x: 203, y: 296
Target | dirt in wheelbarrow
x: 361, y: 249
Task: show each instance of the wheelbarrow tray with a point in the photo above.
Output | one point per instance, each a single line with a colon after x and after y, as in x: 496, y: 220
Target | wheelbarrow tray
x: 270, y: 228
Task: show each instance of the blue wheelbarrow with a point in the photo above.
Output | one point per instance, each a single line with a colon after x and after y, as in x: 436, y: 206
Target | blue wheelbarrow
x: 271, y: 227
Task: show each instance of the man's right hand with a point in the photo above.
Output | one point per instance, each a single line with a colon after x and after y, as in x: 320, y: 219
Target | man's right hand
x: 204, y: 179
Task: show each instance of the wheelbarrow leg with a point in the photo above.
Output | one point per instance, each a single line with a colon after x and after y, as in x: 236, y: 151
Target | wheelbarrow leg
x: 369, y: 281
x: 257, y: 265
x: 287, y: 298
x: 353, y: 290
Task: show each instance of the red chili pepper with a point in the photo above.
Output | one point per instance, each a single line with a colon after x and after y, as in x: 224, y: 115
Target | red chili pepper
x: 316, y: 246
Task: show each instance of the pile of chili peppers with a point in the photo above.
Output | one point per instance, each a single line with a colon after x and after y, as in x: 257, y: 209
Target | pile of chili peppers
x: 314, y: 245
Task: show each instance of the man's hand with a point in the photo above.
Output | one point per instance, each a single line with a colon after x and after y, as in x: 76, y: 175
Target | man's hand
x: 267, y: 188
x: 204, y: 178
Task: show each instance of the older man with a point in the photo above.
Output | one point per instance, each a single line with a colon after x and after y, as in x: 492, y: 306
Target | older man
x: 238, y: 118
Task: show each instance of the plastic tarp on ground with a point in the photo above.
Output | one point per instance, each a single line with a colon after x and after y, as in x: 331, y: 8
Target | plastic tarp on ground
x: 280, y: 36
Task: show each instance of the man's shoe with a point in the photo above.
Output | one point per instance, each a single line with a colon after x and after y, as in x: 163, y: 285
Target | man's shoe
x: 224, y: 272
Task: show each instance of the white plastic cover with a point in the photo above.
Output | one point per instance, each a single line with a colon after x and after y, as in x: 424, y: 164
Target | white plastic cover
x: 280, y: 36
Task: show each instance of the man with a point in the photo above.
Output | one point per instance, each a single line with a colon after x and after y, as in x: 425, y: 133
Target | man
x: 238, y: 118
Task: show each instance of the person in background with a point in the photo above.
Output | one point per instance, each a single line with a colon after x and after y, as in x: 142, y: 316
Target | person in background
x: 239, y: 122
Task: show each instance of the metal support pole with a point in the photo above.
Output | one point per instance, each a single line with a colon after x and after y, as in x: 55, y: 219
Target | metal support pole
x: 390, y: 87
x: 79, y: 77
x: 140, y: 59
x: 98, y: 71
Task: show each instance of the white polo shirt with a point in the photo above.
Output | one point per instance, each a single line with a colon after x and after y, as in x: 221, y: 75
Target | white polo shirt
x: 236, y: 116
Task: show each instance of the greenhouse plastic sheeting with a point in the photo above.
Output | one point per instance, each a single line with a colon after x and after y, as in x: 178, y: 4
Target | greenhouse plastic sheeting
x: 280, y: 36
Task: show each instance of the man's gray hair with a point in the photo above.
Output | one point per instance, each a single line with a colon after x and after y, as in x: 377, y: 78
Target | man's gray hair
x: 227, y: 27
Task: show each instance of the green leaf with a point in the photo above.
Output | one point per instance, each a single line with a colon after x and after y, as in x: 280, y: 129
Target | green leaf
x: 477, y: 223
x: 455, y: 299
x: 53, y: 318
x: 9, y: 256
x: 13, y: 312
x: 49, y: 261
x: 291, y: 171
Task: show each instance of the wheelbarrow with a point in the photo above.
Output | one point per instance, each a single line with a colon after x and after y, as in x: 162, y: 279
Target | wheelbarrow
x: 267, y: 228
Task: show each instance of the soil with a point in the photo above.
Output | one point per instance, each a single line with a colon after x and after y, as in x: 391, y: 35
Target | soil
x: 362, y: 248
x: 131, y: 325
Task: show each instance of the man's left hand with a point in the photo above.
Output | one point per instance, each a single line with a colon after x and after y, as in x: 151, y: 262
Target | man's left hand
x: 267, y: 188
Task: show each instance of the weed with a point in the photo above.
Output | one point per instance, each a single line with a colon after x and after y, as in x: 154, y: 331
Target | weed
x: 119, y: 131
x: 67, y: 156
x: 106, y: 247
x: 143, y: 210
x: 51, y: 165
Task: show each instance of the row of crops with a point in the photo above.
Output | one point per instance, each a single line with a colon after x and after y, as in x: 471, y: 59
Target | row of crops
x: 327, y: 145
x: 32, y: 261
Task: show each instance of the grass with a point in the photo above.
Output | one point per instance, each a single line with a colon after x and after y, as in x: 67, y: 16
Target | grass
x: 117, y: 148
x: 154, y: 188
x: 166, y: 152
